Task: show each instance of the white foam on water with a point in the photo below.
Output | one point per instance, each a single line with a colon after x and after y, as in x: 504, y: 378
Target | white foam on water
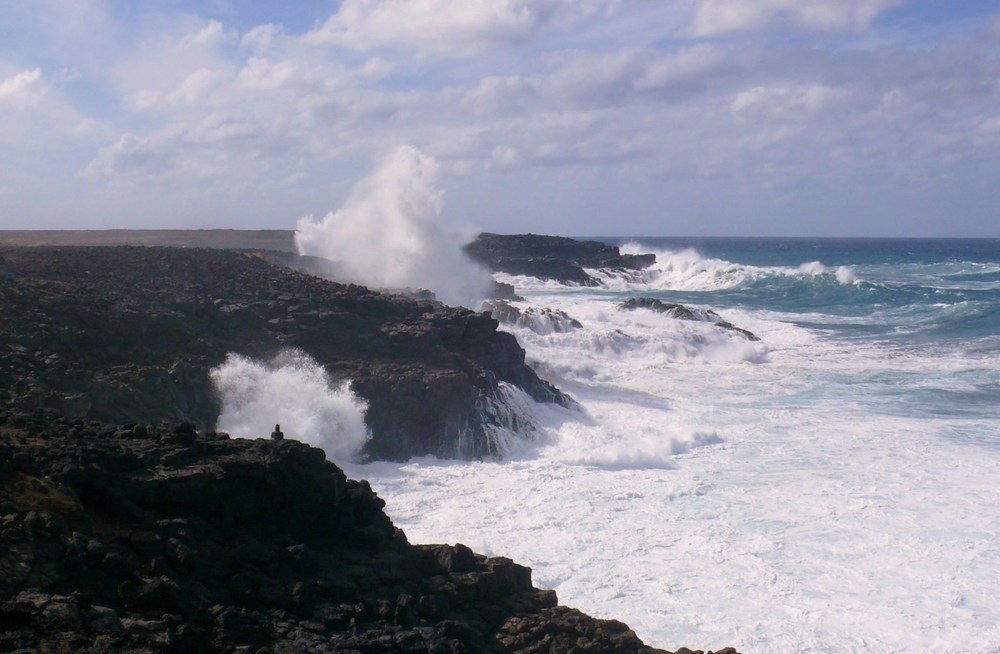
x: 296, y: 392
x: 776, y: 496
x: 688, y: 270
x: 847, y: 275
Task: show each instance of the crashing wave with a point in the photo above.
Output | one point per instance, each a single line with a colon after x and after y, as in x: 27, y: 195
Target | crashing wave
x: 508, y: 424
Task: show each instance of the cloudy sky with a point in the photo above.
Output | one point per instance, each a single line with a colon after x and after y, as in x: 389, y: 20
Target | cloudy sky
x: 580, y: 117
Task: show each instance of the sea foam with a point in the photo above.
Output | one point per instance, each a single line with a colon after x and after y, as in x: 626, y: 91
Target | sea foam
x: 831, y: 488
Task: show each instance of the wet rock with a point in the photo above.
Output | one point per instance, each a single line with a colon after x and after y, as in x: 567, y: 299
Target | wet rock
x: 539, y: 320
x: 681, y: 312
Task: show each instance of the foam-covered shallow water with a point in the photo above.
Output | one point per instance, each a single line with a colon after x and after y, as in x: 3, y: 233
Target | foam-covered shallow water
x: 830, y: 488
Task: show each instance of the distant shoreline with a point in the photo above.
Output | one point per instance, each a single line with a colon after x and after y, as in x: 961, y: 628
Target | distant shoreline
x: 265, y: 239
x: 284, y: 239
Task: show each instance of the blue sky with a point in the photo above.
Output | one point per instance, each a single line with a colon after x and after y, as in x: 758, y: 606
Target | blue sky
x: 583, y: 117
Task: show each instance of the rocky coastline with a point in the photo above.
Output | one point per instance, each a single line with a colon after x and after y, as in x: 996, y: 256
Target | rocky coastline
x: 130, y: 334
x: 128, y: 524
x: 138, y: 538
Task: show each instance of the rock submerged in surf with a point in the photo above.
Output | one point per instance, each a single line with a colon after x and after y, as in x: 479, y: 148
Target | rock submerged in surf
x: 681, y: 312
x: 539, y: 320
x: 131, y: 335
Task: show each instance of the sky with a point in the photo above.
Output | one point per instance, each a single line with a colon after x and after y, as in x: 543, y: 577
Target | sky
x: 574, y: 117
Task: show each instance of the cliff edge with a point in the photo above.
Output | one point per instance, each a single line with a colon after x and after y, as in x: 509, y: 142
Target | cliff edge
x: 130, y: 334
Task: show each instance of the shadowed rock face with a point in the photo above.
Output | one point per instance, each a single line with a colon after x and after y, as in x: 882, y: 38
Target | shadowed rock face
x: 551, y: 257
x: 142, y: 539
x: 129, y: 334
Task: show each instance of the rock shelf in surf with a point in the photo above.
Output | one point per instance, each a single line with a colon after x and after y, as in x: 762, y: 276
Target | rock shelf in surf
x: 135, y: 538
x: 539, y: 320
x: 555, y: 258
x: 130, y: 334
x: 681, y: 312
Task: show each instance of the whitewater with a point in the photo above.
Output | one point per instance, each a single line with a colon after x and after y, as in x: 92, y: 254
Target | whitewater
x: 832, y: 487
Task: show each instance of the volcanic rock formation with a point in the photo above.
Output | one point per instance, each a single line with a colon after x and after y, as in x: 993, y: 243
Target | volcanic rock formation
x: 551, y: 257
x: 129, y: 334
x: 135, y: 539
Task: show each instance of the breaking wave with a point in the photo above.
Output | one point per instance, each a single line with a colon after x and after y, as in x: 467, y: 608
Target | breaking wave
x: 296, y: 392
x: 509, y: 422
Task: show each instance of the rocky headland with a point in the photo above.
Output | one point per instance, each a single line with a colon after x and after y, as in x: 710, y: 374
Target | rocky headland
x: 556, y: 258
x: 128, y: 524
x: 130, y: 334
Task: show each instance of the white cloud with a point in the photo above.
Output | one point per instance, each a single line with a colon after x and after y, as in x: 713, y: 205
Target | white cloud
x: 262, y: 37
x: 716, y: 17
x: 786, y: 102
x: 195, y: 89
x: 23, y: 90
x: 129, y: 155
x: 440, y: 27
x: 35, y: 115
x: 568, y: 98
x: 177, y: 66
x: 212, y: 34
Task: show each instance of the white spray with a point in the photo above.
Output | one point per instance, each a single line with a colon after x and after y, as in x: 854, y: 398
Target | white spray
x: 295, y: 391
x: 388, y: 234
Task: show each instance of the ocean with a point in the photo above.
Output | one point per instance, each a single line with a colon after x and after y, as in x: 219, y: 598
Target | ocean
x: 832, y: 487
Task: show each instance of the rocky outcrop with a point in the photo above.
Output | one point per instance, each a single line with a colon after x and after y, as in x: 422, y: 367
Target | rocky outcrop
x: 551, y: 257
x: 541, y: 320
x: 129, y: 334
x: 681, y: 312
x: 138, y: 538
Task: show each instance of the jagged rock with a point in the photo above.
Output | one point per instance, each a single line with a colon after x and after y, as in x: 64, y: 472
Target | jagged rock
x: 681, y: 312
x: 539, y: 320
x: 292, y: 556
x: 502, y: 291
x: 551, y: 257
x: 130, y: 334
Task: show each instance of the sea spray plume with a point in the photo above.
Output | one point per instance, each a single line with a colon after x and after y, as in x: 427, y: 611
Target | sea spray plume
x: 293, y: 390
x: 388, y: 234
